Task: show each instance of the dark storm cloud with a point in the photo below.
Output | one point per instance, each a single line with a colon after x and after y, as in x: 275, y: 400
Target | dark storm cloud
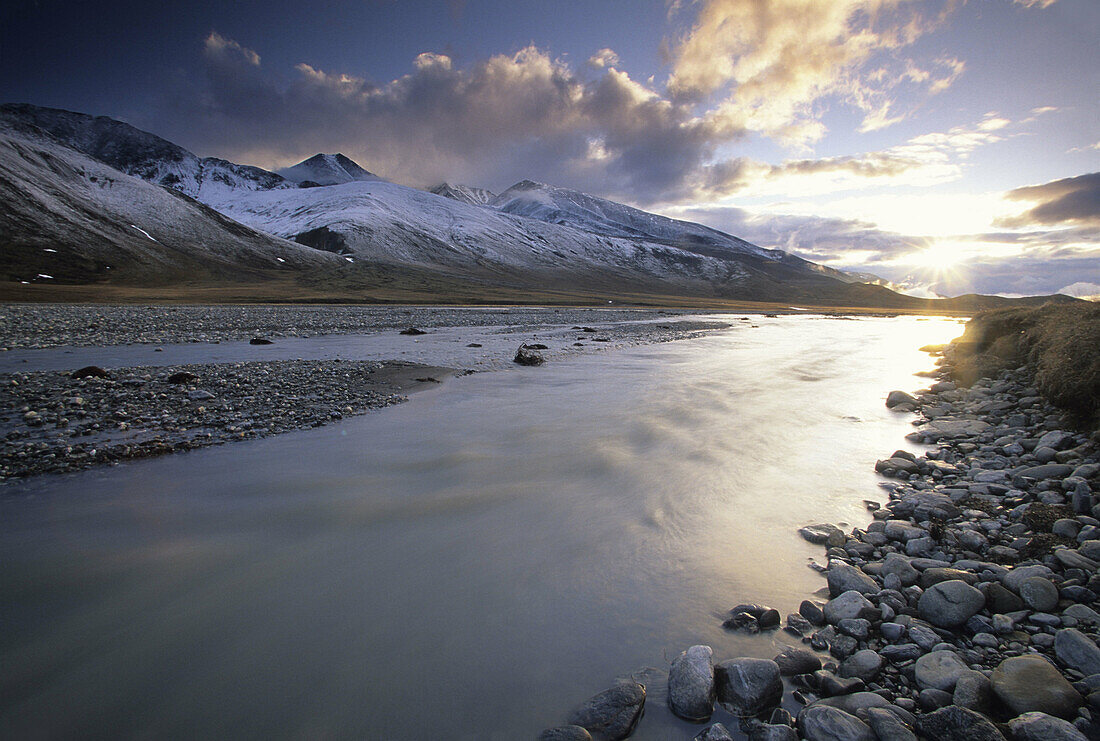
x: 1067, y: 201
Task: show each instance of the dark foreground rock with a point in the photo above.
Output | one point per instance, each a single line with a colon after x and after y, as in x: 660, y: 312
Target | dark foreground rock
x: 612, y: 714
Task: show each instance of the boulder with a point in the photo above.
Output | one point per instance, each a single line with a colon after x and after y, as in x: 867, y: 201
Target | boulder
x: 793, y: 660
x: 939, y: 670
x: 823, y: 534
x: 1039, y: 593
x: 691, y: 684
x: 973, y: 691
x: 1047, y: 471
x: 950, y: 604
x: 748, y: 686
x: 612, y: 714
x: 953, y: 723
x: 824, y: 723
x: 717, y: 732
x: 772, y: 732
x: 850, y: 604
x: 1077, y: 651
x: 1043, y: 727
x: 1015, y: 578
x: 1030, y: 683
x: 896, y: 398
x: 528, y: 356
x: 888, y: 727
x: 864, y: 664
x: 845, y: 578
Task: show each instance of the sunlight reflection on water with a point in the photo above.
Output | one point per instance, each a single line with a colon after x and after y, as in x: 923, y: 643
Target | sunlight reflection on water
x: 467, y: 565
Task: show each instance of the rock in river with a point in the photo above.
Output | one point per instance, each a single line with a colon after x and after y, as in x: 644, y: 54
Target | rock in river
x: 612, y: 714
x: 528, y: 356
x: 950, y: 603
x: 896, y: 398
x: 748, y: 686
x: 691, y: 684
x: 793, y: 660
x: 823, y: 534
x: 1031, y: 683
x: 953, y: 723
x: 565, y: 733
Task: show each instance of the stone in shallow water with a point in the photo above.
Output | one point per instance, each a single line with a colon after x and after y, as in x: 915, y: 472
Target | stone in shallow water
x: 691, y: 684
x: 717, y: 732
x: 612, y: 714
x: 1043, y: 727
x: 793, y: 660
x: 748, y: 686
x: 1031, y: 683
x: 888, y: 727
x: 822, y: 533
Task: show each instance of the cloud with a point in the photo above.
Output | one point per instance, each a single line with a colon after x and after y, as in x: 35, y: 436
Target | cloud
x: 1081, y: 289
x: 770, y: 61
x: 603, y: 58
x: 1069, y: 201
x: 1035, y: 3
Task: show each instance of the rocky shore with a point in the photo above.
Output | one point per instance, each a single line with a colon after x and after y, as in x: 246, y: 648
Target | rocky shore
x: 55, y: 422
x: 966, y: 609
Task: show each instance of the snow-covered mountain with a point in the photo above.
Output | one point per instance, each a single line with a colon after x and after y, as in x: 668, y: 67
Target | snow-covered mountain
x: 136, y: 152
x: 326, y: 169
x: 465, y: 193
x: 66, y: 217
x: 600, y: 216
x: 531, y: 236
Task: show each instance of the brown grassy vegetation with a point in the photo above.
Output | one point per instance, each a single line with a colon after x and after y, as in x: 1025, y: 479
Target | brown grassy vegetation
x: 1059, y: 343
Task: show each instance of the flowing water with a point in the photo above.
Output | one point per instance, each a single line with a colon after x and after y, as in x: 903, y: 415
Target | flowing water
x: 468, y: 565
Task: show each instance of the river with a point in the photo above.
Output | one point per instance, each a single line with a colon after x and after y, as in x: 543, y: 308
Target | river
x: 468, y: 565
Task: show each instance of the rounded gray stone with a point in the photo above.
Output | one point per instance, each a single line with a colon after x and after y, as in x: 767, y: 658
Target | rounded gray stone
x: 612, y: 714
x: 953, y: 723
x: 565, y: 733
x: 748, y: 686
x: 691, y: 684
x: 864, y: 664
x: 939, y: 670
x: 793, y: 660
x: 1014, y: 578
x: 844, y: 578
x: 1031, y: 683
x: 850, y: 604
x: 1043, y: 727
x: 950, y: 604
x: 825, y: 723
x: 1039, y: 593
x: 1076, y: 650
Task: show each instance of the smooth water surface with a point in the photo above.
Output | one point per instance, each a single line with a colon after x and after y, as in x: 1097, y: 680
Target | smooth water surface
x: 470, y: 564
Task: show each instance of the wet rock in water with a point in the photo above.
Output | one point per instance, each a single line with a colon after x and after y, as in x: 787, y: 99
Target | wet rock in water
x: 950, y: 604
x: 260, y: 341
x: 90, y: 371
x: 536, y: 346
x: 793, y: 660
x: 413, y: 332
x: 182, y: 377
x: 953, y: 723
x: 565, y: 733
x: 1031, y: 683
x: 747, y: 686
x: 772, y: 732
x: 812, y: 612
x: 1043, y: 727
x: 825, y: 723
x: 527, y: 356
x: 1077, y: 651
x: 845, y: 578
x: 717, y: 732
x: 897, y: 398
x: 474, y: 344
x: 822, y: 534
x: 612, y: 714
x: 691, y: 684
x: 939, y: 670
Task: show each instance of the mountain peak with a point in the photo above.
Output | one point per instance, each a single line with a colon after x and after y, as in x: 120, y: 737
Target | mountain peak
x: 466, y: 193
x: 327, y: 169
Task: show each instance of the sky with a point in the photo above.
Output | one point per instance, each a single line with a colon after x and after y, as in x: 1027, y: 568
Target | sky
x: 950, y: 146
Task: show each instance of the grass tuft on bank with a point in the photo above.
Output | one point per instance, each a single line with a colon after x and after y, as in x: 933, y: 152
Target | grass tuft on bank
x: 1059, y: 343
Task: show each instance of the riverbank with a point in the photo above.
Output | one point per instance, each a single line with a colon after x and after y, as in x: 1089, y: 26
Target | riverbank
x: 967, y: 609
